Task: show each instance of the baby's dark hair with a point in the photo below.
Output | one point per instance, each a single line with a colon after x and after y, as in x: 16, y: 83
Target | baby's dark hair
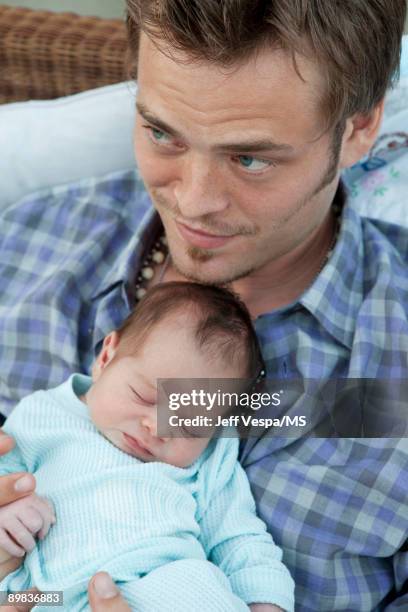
x: 223, y: 325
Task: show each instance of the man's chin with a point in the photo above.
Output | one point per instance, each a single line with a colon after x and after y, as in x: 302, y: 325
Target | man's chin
x: 200, y: 256
x: 208, y: 271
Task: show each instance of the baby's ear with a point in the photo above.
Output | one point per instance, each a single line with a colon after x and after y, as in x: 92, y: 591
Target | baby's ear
x: 108, y: 351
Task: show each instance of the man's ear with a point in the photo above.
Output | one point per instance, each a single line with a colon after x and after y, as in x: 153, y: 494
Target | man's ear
x: 107, y: 353
x: 360, y: 135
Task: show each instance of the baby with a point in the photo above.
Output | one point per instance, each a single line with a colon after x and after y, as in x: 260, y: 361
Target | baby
x: 172, y: 519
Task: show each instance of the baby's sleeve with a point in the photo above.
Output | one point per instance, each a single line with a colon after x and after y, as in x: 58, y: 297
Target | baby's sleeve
x: 237, y: 541
x: 12, y: 463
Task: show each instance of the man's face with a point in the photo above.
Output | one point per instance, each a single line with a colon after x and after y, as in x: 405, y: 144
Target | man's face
x: 234, y: 159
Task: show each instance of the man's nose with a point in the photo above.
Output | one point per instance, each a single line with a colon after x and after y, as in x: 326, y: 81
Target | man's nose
x: 200, y: 189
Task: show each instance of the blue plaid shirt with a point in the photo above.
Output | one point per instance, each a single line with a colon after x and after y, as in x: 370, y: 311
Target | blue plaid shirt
x: 337, y: 507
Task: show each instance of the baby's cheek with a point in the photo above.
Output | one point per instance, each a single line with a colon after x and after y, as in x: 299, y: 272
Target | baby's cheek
x: 103, y: 416
x: 173, y: 453
x: 177, y: 453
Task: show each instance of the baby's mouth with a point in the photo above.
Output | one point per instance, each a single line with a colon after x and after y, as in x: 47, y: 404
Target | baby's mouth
x: 136, y: 446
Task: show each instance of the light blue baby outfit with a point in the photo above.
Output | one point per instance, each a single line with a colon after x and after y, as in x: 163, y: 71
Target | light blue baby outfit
x: 177, y: 539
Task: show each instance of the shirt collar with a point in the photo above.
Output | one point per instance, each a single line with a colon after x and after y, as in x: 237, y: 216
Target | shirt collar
x: 336, y: 295
x: 126, y: 265
x: 115, y: 294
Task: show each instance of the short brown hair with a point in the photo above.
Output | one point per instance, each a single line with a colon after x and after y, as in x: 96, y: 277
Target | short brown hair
x: 222, y: 322
x: 356, y: 42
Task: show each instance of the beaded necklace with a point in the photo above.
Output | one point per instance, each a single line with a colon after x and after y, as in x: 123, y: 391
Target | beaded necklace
x: 158, y: 254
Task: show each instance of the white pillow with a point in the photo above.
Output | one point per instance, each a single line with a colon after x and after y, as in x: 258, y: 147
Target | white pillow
x: 51, y: 142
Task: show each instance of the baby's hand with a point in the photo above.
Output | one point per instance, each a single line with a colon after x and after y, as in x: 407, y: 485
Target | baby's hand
x: 21, y: 520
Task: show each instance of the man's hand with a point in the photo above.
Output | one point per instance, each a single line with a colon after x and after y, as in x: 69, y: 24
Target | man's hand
x: 8, y: 563
x: 104, y: 595
x: 22, y: 520
x: 13, y: 486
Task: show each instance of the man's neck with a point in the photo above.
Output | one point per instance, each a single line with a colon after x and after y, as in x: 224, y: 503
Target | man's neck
x: 282, y: 281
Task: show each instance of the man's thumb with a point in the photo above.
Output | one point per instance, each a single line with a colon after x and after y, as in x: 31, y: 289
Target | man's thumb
x: 21, y: 607
x: 104, y: 595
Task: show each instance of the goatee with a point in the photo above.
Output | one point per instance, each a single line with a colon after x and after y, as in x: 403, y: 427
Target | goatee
x: 199, y: 255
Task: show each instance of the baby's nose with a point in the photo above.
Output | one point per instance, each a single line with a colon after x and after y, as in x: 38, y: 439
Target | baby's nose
x: 149, y: 424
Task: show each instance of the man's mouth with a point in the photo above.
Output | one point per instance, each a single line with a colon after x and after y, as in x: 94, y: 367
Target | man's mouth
x: 136, y: 446
x: 202, y: 239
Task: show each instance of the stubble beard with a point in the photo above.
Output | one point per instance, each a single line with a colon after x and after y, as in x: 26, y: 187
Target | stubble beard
x: 199, y: 256
x: 203, y: 257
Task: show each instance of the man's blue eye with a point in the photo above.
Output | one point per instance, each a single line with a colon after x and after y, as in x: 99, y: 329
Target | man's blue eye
x: 158, y: 134
x: 253, y: 163
x: 246, y: 160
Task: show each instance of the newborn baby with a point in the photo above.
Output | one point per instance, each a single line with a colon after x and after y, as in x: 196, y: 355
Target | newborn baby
x: 172, y: 519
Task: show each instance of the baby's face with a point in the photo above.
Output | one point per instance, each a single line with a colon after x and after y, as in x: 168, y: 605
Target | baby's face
x: 123, y: 399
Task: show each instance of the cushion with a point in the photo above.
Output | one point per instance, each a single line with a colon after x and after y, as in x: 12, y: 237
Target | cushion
x: 51, y: 142
x: 378, y: 184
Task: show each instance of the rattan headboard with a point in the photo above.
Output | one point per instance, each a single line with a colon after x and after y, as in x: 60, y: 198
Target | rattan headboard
x: 47, y: 55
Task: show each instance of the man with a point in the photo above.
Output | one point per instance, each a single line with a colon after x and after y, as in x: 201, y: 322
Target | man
x: 247, y: 114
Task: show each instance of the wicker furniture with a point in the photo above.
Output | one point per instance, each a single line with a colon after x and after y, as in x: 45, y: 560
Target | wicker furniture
x: 46, y: 55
